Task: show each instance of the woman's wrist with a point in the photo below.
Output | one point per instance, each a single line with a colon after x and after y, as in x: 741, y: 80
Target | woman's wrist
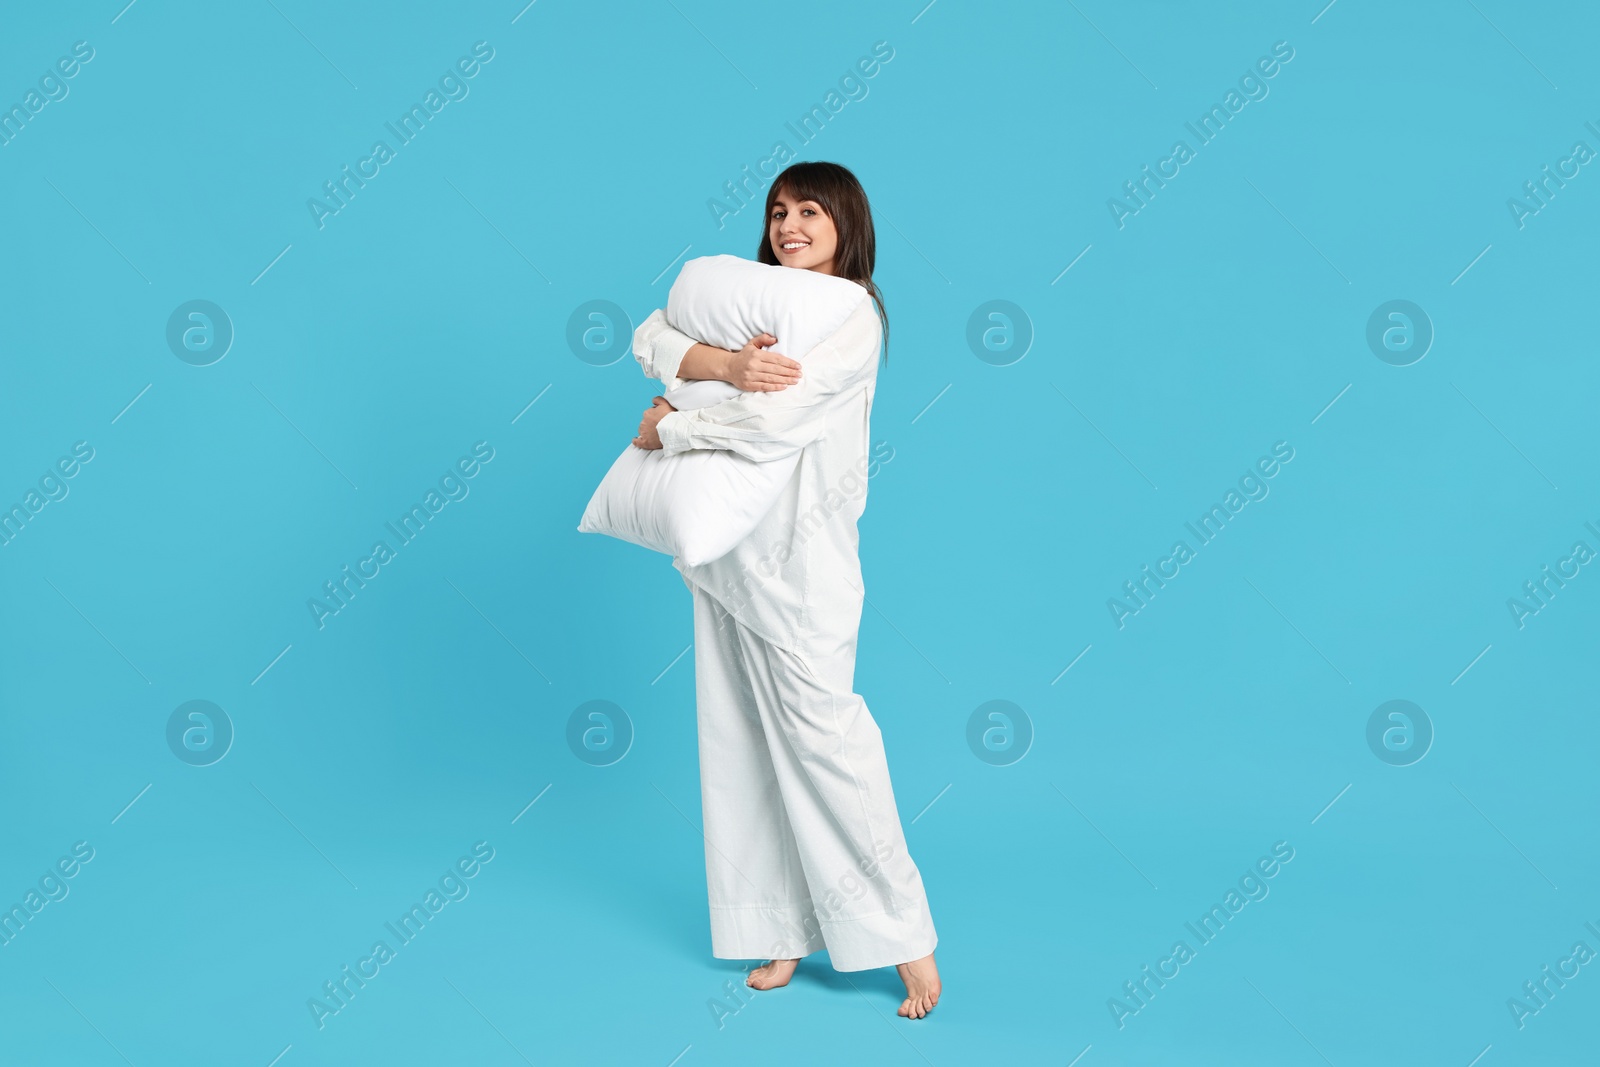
x: 703, y: 361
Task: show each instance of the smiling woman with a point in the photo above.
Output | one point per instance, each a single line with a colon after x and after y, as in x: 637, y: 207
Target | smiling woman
x: 794, y: 782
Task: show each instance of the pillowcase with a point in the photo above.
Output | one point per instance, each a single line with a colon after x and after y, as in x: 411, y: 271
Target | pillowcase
x: 696, y: 505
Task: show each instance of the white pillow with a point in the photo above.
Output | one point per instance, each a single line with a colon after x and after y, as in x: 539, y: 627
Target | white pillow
x: 698, y: 504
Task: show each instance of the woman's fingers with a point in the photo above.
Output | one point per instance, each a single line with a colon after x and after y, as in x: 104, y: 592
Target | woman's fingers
x: 779, y: 366
x: 770, y: 376
x: 765, y: 372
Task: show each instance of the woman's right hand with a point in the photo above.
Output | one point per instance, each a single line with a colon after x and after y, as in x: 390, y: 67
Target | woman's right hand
x: 754, y: 369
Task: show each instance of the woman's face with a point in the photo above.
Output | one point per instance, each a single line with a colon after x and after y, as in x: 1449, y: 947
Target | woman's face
x: 807, y: 231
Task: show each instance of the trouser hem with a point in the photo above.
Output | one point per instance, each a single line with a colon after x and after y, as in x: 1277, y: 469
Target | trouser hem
x: 766, y: 933
x: 881, y: 940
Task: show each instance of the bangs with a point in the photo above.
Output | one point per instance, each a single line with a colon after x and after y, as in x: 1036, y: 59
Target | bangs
x: 798, y: 190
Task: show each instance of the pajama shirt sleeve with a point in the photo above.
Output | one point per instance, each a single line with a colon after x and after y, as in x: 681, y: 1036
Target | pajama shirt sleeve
x: 772, y: 425
x: 660, y: 349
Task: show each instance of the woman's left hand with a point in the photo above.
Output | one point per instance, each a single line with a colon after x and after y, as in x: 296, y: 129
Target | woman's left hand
x: 658, y: 410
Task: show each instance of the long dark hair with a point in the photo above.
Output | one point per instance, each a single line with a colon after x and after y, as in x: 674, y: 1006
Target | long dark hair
x: 845, y: 202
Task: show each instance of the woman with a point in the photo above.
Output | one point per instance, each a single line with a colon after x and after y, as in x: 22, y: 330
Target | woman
x: 804, y: 848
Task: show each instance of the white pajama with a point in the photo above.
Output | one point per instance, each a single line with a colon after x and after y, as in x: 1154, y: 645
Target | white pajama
x: 804, y: 846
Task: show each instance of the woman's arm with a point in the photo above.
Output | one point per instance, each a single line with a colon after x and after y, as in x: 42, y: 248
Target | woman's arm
x: 706, y: 361
x: 772, y: 425
x: 672, y: 357
x: 752, y: 368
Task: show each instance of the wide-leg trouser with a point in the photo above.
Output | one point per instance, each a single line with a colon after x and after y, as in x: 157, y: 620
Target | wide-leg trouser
x: 804, y: 848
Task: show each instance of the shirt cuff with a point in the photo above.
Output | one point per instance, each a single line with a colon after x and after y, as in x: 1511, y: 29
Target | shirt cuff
x: 673, y: 429
x: 666, y: 346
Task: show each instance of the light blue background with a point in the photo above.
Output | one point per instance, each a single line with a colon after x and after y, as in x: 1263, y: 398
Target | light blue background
x: 1227, y: 715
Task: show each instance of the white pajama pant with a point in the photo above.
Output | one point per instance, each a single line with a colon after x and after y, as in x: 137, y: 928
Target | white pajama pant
x: 804, y: 848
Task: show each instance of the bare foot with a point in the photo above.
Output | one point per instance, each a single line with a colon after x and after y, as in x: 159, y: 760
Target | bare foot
x: 922, y: 986
x: 772, y: 975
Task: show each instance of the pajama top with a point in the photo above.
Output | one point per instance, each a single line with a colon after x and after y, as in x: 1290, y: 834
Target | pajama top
x: 797, y: 578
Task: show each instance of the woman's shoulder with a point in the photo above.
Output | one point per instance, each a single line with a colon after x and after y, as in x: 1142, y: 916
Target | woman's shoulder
x: 862, y: 326
x: 861, y: 336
